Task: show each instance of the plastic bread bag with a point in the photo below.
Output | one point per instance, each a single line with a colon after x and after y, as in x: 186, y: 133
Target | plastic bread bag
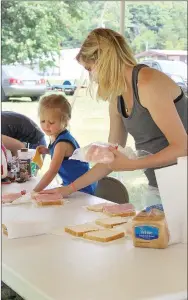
x: 99, y: 153
x: 152, y: 211
x: 95, y: 153
x: 141, y: 194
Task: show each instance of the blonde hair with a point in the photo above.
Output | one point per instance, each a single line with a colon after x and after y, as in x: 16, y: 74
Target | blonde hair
x: 110, y: 53
x: 58, y: 104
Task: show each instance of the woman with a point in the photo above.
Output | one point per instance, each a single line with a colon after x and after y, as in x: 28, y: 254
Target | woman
x: 142, y: 101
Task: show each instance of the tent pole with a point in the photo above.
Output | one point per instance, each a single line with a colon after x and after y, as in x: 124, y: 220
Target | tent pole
x: 122, y: 17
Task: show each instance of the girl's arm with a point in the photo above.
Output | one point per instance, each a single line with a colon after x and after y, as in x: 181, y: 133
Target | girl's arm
x: 58, y: 157
x: 117, y: 135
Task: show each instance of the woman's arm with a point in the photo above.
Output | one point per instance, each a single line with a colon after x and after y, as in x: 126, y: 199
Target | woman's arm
x: 58, y: 157
x: 12, y: 144
x: 158, y: 96
x: 118, y: 134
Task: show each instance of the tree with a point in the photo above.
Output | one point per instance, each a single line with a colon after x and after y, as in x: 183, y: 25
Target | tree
x: 173, y: 34
x: 32, y: 31
x: 163, y: 25
x: 36, y: 30
x: 90, y: 17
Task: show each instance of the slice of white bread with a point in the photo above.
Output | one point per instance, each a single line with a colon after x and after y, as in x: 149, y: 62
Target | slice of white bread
x: 98, y: 207
x: 79, y: 230
x: 104, y: 235
x: 49, y: 202
x: 121, y: 214
x: 111, y: 222
x: 47, y: 199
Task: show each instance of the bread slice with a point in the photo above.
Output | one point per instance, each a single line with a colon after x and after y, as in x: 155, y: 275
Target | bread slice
x: 47, y: 199
x: 111, y: 222
x: 105, y: 235
x: 122, y: 214
x: 98, y: 207
x: 79, y: 230
x: 49, y: 202
x: 122, y: 210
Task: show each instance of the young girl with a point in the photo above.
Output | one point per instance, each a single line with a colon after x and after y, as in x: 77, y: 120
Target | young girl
x: 55, y: 113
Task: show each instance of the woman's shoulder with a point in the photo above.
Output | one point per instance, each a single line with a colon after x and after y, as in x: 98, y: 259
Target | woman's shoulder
x: 152, y: 80
x: 150, y: 76
x: 155, y: 83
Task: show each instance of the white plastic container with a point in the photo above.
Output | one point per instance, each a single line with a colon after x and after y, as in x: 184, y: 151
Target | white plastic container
x: 172, y: 183
x: 24, y: 154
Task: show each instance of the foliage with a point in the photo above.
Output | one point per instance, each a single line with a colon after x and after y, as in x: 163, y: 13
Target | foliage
x: 36, y: 30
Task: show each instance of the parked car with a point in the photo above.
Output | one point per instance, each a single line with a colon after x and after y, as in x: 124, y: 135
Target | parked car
x: 20, y: 81
x: 67, y: 87
x: 177, y: 70
x: 179, y: 80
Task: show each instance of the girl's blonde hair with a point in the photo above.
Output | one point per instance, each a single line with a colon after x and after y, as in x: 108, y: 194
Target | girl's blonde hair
x: 57, y: 104
x: 109, y: 52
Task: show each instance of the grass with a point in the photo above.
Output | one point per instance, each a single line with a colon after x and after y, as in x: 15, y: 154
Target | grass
x: 89, y: 123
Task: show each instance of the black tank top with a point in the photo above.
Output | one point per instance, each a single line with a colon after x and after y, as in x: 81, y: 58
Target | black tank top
x: 141, y: 126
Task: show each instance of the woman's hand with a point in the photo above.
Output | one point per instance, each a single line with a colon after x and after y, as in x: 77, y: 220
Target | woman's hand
x: 121, y: 162
x: 43, y: 150
x: 65, y: 191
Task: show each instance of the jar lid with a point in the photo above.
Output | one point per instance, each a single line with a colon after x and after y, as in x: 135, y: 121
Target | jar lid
x: 24, y: 149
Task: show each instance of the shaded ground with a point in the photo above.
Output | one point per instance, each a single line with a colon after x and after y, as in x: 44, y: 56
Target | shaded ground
x: 8, y: 294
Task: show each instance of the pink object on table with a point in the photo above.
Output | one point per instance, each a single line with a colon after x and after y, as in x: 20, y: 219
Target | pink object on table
x: 48, y: 197
x: 99, y: 154
x: 120, y: 209
x: 8, y: 198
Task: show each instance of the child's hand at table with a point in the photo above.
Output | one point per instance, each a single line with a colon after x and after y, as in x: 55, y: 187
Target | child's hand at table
x: 64, y: 191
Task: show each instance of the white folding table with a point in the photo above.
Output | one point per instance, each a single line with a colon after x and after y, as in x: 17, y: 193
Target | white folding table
x: 52, y: 267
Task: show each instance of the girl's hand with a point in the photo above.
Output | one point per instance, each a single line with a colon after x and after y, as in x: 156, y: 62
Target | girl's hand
x: 121, y: 162
x: 65, y: 191
x: 43, y: 150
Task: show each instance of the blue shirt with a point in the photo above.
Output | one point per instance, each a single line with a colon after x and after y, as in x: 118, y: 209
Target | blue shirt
x: 71, y: 169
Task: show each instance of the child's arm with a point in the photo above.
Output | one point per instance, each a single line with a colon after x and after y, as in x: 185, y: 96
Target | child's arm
x: 58, y: 157
x: 117, y: 135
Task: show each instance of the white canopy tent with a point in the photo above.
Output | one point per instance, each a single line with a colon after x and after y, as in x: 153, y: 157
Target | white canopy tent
x: 122, y: 16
